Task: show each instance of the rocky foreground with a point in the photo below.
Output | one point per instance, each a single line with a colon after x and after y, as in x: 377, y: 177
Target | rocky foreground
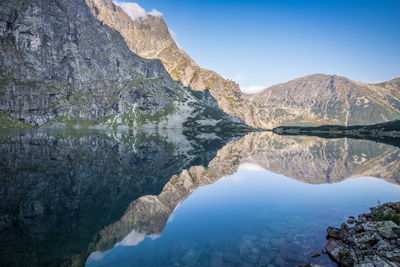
x: 373, y: 241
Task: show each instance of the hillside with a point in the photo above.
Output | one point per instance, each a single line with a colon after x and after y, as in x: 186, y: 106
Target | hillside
x: 327, y: 99
x: 149, y: 37
x: 61, y: 67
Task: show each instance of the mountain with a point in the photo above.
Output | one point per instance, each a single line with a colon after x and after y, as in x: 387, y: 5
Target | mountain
x: 327, y: 100
x: 61, y: 67
x: 149, y: 37
x: 312, y: 100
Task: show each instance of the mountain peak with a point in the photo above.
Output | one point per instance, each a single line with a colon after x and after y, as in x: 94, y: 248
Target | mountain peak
x: 150, y: 37
x: 320, y: 99
x: 310, y: 100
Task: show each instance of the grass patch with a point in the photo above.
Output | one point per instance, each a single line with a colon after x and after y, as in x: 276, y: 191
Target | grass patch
x: 6, y: 121
x: 385, y: 215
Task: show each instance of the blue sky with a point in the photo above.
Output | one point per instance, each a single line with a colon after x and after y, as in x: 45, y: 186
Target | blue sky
x: 260, y: 43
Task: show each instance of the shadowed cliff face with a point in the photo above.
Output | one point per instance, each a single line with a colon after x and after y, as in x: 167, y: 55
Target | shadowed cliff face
x: 311, y: 100
x: 58, y: 189
x: 62, y: 67
x: 149, y: 37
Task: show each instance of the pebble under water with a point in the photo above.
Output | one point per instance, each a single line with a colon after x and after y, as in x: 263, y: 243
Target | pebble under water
x: 252, y: 218
x: 172, y: 198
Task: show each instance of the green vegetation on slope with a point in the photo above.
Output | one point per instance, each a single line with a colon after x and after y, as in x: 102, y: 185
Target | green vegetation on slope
x: 8, y: 122
x: 388, y: 132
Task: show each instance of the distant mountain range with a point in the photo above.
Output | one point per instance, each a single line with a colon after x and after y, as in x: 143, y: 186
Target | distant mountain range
x: 62, y: 67
x: 149, y: 37
x: 327, y: 99
x: 312, y: 100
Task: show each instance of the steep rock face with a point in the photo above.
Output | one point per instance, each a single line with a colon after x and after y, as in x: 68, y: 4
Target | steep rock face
x: 149, y: 37
x: 311, y: 100
x: 58, y: 62
x: 325, y: 99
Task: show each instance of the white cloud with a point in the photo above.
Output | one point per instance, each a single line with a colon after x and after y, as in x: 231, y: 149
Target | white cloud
x: 154, y: 236
x: 249, y: 166
x: 133, y: 239
x: 252, y: 89
x: 155, y: 13
x: 135, y: 11
x: 241, y: 78
x: 97, y: 256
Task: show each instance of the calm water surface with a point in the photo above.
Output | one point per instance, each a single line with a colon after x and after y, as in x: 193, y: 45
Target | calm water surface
x: 255, y: 217
x: 177, y: 199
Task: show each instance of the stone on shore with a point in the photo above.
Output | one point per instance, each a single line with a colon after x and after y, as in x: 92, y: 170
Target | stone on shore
x: 373, y: 241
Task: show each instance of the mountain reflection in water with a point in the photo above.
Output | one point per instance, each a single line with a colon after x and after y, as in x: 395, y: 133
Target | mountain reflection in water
x: 128, y: 199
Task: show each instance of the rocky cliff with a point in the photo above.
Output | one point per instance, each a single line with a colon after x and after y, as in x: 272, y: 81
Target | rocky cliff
x: 311, y: 100
x: 325, y: 100
x: 149, y: 37
x: 60, y: 66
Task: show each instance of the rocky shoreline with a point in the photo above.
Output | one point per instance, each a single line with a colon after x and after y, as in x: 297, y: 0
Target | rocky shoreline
x: 374, y: 240
x: 388, y: 132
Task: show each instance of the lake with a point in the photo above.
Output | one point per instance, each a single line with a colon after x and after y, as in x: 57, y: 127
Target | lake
x: 173, y: 198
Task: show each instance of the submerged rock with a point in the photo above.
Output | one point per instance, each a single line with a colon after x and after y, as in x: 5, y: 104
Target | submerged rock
x: 316, y: 255
x: 191, y: 257
x: 373, y: 241
x: 231, y: 257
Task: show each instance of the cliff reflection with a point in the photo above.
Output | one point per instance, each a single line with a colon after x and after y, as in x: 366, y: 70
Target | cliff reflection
x: 308, y: 159
x: 65, y: 195
x: 58, y: 189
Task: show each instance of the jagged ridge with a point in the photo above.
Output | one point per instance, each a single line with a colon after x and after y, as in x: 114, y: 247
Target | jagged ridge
x: 312, y: 100
x: 327, y: 99
x: 149, y: 37
x: 60, y: 66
